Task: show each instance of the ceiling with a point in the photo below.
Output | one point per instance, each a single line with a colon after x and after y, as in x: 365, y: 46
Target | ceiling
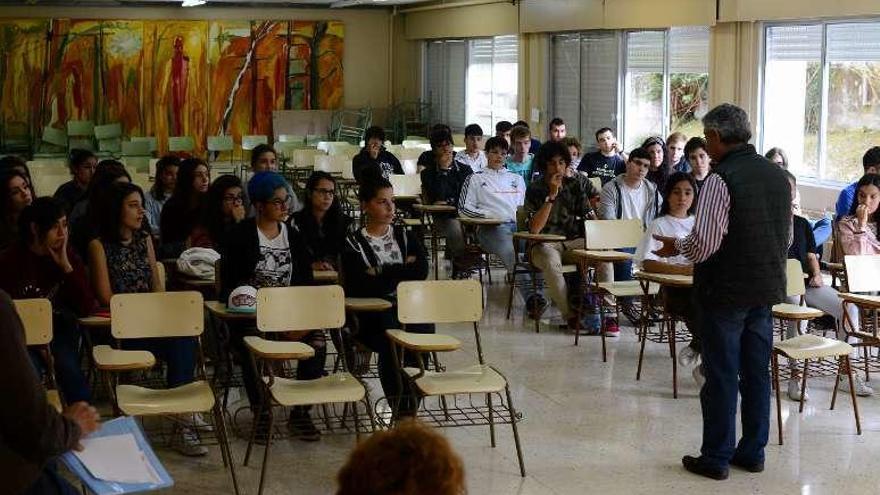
x: 228, y: 3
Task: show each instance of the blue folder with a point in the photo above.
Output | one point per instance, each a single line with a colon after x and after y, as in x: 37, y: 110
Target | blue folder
x: 119, y: 426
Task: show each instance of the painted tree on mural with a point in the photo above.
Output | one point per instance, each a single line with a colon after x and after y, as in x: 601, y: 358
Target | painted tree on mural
x: 315, y: 65
x: 258, y: 34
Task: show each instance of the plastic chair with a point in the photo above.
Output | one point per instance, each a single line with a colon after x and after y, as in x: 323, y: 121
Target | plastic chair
x: 794, y: 287
x: 36, y: 317
x: 863, y: 282
x: 81, y: 134
x: 451, y: 301
x: 286, y: 309
x: 181, y: 144
x: 332, y: 164
x: 305, y: 157
x: 406, y: 186
x: 109, y: 138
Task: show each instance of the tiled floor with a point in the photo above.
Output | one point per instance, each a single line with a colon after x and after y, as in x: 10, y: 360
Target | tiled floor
x: 589, y: 427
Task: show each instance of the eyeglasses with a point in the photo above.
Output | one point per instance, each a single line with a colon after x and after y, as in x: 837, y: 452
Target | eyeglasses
x: 235, y: 199
x: 325, y: 192
x: 278, y: 202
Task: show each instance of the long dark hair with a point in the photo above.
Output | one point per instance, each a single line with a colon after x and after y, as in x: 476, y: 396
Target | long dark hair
x: 43, y: 213
x: 370, y: 188
x: 866, y: 180
x: 670, y: 185
x: 5, y: 178
x: 213, y: 219
x: 546, y: 153
x: 661, y: 175
x: 335, y: 208
x: 13, y: 162
x: 184, y: 190
x: 166, y: 161
x: 184, y: 208
x: 106, y: 174
x: 109, y: 217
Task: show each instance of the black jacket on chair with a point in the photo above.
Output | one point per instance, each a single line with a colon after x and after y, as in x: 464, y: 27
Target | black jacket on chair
x: 358, y: 257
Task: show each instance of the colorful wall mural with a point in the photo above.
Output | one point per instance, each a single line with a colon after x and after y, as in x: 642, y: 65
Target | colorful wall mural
x: 167, y: 78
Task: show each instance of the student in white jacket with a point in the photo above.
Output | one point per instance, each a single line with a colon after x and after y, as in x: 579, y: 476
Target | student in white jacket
x: 495, y: 192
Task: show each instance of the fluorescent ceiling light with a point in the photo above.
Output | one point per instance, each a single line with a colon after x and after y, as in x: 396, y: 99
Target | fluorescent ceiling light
x: 193, y: 3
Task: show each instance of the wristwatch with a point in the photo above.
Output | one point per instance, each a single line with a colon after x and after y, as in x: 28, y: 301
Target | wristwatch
x: 548, y: 199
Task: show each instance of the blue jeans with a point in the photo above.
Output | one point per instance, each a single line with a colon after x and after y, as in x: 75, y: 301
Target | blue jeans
x: 737, y: 342
x: 179, y: 354
x: 498, y: 240
x: 623, y: 269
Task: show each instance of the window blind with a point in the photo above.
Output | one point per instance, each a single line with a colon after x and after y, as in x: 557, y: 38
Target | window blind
x: 566, y: 80
x: 688, y: 50
x: 798, y: 42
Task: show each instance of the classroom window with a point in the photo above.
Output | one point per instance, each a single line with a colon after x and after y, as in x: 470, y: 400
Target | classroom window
x: 821, y: 96
x: 472, y: 81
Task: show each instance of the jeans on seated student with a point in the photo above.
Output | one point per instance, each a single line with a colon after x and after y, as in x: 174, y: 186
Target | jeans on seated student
x: 498, y: 240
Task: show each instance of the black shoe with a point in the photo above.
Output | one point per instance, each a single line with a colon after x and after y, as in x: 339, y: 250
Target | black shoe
x: 697, y: 466
x: 536, y: 305
x: 752, y: 467
x: 302, y: 427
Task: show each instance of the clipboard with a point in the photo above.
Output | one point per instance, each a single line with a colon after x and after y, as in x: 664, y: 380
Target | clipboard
x: 118, y: 426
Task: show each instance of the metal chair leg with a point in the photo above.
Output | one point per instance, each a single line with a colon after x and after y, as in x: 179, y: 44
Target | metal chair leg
x: 266, y: 453
x: 519, y: 454
x: 225, y: 449
x: 670, y: 325
x: 491, y: 419
x: 643, y: 335
x: 803, y: 385
x: 778, y: 401
x: 852, y: 394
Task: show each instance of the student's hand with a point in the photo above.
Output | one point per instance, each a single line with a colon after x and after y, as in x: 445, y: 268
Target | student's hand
x: 555, y: 185
x: 862, y: 216
x: 238, y: 213
x: 371, y: 271
x: 816, y: 280
x: 444, y: 158
x: 668, y: 250
x: 410, y: 259
x: 59, y: 256
x: 373, y: 149
x: 85, y: 416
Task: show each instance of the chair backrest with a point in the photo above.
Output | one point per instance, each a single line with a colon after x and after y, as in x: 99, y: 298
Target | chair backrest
x: 414, y: 143
x: 862, y: 272
x: 36, y: 316
x: 220, y: 143
x: 284, y: 309
x: 794, y: 278
x: 458, y: 139
x: 325, y: 145
x: 80, y: 128
x: 156, y: 314
x: 406, y: 185
x: 410, y: 166
x: 292, y: 138
x: 409, y: 154
x: 332, y: 164
x: 440, y: 301
x: 348, y: 170
x: 152, y: 142
x: 250, y: 142
x: 181, y: 143
x: 395, y: 149
x: 612, y: 234
x: 305, y: 157
x: 347, y: 150
x: 108, y: 131
x: 54, y: 136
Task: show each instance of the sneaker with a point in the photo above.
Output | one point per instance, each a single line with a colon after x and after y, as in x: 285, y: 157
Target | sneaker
x: 862, y: 388
x: 794, y: 390
x: 611, y: 328
x: 698, y: 375
x: 188, y: 444
x: 688, y: 356
x: 302, y: 427
x: 198, y: 421
x: 586, y: 326
x: 536, y: 306
x: 632, y: 314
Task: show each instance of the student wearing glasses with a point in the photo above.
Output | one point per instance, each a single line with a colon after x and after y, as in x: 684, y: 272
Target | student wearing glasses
x: 223, y: 211
x: 323, y: 224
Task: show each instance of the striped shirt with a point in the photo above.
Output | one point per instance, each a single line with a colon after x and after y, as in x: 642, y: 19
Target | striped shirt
x: 712, y: 217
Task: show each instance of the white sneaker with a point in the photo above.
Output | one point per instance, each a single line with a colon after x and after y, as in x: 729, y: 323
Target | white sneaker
x: 794, y: 390
x: 862, y: 388
x: 188, y: 444
x: 698, y: 376
x: 198, y: 421
x: 688, y: 356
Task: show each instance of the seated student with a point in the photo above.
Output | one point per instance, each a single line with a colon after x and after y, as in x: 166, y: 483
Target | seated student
x: 374, y: 260
x: 676, y: 220
x: 777, y: 156
x: 629, y: 196
x: 322, y: 223
x: 520, y: 161
x: 606, y: 163
x: 122, y: 261
x: 34, y: 434
x: 818, y: 295
x: 441, y: 185
x: 557, y: 129
x: 410, y: 459
x: 83, y: 219
x: 858, y: 230
x: 574, y: 149
x: 82, y: 165
x: 661, y: 167
x: 699, y: 160
x: 41, y: 264
x: 224, y: 209
x: 181, y: 213
x: 557, y: 204
x: 871, y: 165
x: 472, y: 156
x: 502, y: 130
x: 163, y: 185
x: 535, y: 143
x: 15, y: 195
x: 496, y: 192
x: 675, y: 143
x: 263, y: 251
x: 13, y: 162
x: 373, y: 159
x: 440, y: 137
x: 265, y: 159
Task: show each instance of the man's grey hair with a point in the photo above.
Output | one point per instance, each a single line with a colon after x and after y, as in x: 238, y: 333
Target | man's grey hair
x: 731, y: 122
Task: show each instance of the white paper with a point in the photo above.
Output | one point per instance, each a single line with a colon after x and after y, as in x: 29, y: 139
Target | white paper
x: 117, y: 458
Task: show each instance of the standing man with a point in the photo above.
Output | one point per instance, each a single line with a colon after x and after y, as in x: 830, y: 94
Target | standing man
x: 738, y: 247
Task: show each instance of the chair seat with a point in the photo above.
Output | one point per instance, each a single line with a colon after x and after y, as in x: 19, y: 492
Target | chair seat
x: 569, y: 268
x: 627, y: 288
x: 325, y: 275
x: 424, y: 342
x: 141, y: 401
x: 338, y: 387
x: 412, y: 222
x: 272, y: 349
x: 471, y: 380
x: 788, y: 311
x: 110, y: 359
x: 861, y: 299
x: 366, y: 304
x: 811, y: 346
x: 603, y: 256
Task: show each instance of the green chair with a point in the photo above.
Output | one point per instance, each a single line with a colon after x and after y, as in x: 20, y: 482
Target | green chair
x: 217, y: 145
x: 181, y: 144
x: 53, y: 144
x: 109, y: 138
x: 248, y: 143
x: 80, y: 135
x: 152, y: 142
